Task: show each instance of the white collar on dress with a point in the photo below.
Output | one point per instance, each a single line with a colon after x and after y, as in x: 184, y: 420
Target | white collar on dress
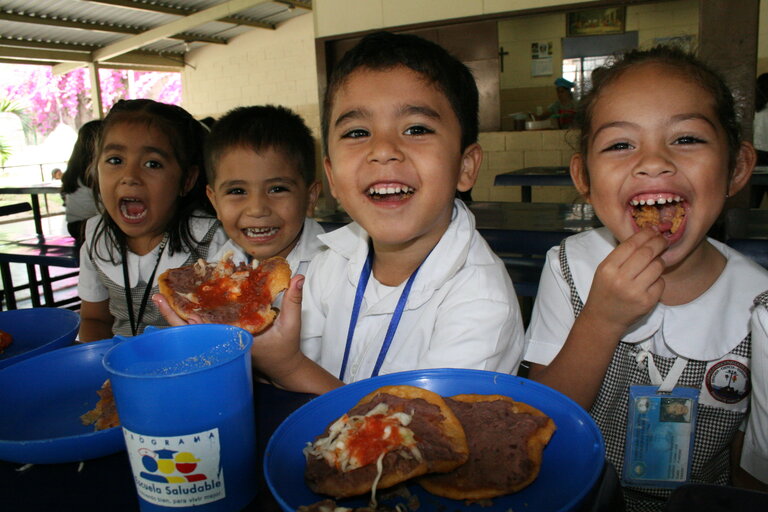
x: 706, y: 328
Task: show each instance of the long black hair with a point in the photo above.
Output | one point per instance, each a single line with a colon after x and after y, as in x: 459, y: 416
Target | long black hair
x: 187, y: 138
x: 81, y: 158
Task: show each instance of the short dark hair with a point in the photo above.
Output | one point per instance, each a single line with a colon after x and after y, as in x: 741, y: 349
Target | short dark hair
x: 187, y: 137
x: 381, y: 51
x: 260, y: 128
x: 679, y: 62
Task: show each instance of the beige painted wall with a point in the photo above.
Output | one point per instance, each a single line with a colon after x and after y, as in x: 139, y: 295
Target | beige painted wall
x: 259, y: 67
x: 333, y: 17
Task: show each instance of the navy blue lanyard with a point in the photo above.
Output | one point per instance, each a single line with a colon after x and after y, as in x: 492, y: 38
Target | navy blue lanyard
x: 361, y: 284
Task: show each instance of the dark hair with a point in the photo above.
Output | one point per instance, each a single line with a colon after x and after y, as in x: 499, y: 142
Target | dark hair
x: 187, y: 137
x: 383, y: 51
x: 260, y: 128
x: 761, y: 94
x: 683, y: 64
x: 81, y: 157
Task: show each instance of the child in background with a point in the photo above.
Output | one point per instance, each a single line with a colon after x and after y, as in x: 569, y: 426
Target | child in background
x: 79, y: 203
x: 261, y: 172
x: 661, y: 306
x: 754, y: 454
x: 410, y: 284
x: 150, y: 184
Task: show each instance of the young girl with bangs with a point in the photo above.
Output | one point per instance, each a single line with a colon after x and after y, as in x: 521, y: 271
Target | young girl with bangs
x: 150, y: 185
x: 648, y: 311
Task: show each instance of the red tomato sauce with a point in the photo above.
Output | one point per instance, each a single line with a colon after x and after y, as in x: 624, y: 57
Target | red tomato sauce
x: 367, y: 444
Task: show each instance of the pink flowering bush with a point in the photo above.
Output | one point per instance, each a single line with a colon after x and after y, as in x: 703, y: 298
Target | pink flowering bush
x: 52, y: 99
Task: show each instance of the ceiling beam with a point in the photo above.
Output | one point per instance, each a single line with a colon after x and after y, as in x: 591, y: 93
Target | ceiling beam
x: 132, y: 59
x: 50, y: 21
x: 163, y: 31
x: 180, y: 11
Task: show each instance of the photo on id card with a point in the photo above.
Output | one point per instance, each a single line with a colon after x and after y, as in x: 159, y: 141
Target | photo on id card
x: 660, y: 431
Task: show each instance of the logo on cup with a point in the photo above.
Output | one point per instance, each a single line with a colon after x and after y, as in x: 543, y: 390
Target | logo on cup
x: 169, y: 466
x: 177, y: 471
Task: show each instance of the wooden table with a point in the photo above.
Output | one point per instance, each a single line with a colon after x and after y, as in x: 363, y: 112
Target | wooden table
x: 557, y: 176
x: 34, y: 191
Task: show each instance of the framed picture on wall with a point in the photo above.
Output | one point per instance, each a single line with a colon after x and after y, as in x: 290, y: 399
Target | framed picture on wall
x: 590, y: 22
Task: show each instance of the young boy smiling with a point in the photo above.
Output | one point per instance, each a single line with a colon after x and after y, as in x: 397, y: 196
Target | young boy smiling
x: 410, y: 284
x: 261, y: 173
x: 260, y: 164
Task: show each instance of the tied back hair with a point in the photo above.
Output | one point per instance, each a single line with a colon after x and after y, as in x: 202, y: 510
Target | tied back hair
x: 186, y: 137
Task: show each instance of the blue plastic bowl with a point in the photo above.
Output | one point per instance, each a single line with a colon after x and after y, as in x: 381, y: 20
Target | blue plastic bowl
x: 42, y: 400
x: 36, y: 331
x: 572, y: 461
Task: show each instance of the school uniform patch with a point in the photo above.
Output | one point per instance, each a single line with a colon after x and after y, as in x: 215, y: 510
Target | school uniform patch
x: 726, y: 383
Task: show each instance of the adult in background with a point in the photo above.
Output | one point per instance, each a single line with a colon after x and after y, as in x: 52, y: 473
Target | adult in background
x: 79, y: 202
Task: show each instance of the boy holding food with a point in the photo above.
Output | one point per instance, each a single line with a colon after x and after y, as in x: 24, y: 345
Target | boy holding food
x: 260, y: 165
x: 410, y: 283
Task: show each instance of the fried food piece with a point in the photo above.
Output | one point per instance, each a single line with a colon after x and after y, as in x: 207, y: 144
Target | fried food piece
x: 225, y: 293
x: 104, y: 415
x: 506, y: 440
x: 391, y: 435
x: 5, y: 340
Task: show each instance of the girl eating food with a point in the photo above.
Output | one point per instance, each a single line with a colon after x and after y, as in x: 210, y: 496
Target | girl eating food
x: 648, y: 310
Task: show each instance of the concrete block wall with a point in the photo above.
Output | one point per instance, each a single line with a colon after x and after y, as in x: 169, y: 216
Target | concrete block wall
x: 508, y: 151
x: 259, y: 67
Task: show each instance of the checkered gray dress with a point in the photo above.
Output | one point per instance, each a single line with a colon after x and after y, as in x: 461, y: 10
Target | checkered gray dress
x: 118, y: 306
x: 715, y: 428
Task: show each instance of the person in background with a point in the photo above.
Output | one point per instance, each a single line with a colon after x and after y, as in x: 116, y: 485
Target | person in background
x: 260, y: 162
x: 150, y: 185
x: 760, y: 135
x: 57, y: 174
x: 649, y: 306
x: 564, y: 109
x: 754, y: 454
x: 410, y: 283
x: 79, y: 201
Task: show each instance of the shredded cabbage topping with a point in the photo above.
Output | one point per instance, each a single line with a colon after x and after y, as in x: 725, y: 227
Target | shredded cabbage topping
x: 347, y: 431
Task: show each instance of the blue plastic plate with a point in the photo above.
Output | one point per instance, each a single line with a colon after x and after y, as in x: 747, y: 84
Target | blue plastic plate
x: 572, y: 463
x: 36, y: 331
x: 41, y: 402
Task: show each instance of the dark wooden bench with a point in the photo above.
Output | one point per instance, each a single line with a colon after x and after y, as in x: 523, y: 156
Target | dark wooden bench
x: 37, y: 257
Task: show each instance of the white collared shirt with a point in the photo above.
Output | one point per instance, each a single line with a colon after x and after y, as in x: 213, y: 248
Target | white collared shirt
x: 704, y: 329
x: 299, y: 257
x: 462, y: 310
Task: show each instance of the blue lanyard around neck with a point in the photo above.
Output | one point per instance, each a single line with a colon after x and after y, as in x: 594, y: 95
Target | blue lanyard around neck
x: 361, y: 285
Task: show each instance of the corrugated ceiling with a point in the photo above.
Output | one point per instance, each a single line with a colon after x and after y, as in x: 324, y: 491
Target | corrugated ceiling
x: 72, y: 32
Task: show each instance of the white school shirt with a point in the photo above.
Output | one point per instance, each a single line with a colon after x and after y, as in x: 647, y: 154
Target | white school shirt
x: 705, y: 329
x: 299, y: 257
x: 91, y: 289
x: 462, y: 311
x: 754, y: 454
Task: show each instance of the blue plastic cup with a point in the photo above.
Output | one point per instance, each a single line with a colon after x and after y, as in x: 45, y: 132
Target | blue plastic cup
x: 185, y: 400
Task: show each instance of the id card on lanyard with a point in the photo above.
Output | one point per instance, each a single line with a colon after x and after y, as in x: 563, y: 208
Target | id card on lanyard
x: 661, y: 425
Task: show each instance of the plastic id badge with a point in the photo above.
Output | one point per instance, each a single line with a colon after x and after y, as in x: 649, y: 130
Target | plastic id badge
x: 660, y: 432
